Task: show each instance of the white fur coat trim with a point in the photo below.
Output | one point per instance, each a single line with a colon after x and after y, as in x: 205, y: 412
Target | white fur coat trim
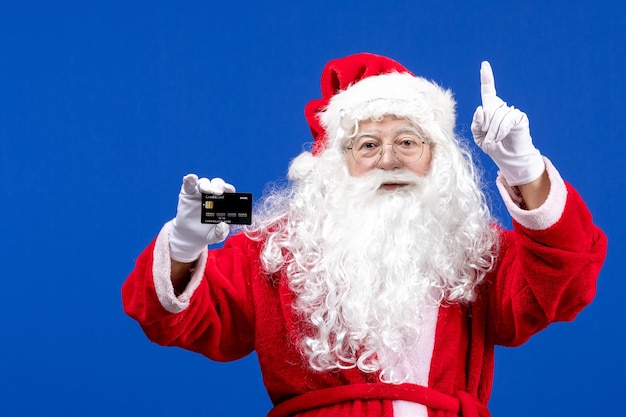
x: 161, y: 268
x: 550, y: 211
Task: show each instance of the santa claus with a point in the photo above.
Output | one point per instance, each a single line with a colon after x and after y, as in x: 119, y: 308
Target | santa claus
x: 377, y: 282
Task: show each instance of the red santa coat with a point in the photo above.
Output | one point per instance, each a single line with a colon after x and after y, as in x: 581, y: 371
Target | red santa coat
x: 546, y: 272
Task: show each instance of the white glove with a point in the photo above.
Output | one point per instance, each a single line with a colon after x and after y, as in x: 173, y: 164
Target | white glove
x: 502, y: 132
x: 189, y: 236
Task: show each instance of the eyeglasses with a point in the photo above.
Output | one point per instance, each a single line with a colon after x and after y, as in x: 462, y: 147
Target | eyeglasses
x: 407, y: 149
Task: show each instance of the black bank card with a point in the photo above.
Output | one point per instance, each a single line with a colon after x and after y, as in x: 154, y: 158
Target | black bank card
x: 231, y: 208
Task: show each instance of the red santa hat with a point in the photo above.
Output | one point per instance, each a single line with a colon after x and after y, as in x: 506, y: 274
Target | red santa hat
x: 364, y: 86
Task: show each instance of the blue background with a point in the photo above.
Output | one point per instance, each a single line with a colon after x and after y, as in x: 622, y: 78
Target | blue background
x: 104, y: 106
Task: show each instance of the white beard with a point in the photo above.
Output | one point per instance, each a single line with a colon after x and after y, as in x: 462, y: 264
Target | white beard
x: 364, y: 263
x: 367, y: 291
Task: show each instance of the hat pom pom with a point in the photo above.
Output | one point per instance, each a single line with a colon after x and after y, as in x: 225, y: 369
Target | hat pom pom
x: 301, y: 166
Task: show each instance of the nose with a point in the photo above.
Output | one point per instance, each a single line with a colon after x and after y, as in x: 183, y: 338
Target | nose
x: 388, y: 159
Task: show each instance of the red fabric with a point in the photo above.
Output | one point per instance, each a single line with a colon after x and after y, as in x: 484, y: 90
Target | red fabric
x: 337, y: 75
x: 541, y: 277
x: 462, y: 403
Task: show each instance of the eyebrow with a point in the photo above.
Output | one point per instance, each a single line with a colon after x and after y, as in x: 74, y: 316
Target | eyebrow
x: 398, y: 131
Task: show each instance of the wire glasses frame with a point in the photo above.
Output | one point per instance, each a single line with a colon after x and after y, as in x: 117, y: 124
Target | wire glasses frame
x: 369, y: 151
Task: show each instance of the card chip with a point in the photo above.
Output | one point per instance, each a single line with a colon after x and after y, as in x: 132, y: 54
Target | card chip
x: 231, y: 208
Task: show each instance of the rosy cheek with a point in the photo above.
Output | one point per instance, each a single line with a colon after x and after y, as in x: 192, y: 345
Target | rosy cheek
x: 421, y: 167
x: 355, y: 169
x: 424, y: 164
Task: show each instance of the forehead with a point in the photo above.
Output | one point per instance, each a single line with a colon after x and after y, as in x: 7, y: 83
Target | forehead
x: 386, y: 125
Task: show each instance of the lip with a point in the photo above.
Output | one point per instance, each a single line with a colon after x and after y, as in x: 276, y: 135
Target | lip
x: 391, y: 186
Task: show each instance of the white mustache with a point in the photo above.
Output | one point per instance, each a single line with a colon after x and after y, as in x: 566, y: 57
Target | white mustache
x: 375, y: 179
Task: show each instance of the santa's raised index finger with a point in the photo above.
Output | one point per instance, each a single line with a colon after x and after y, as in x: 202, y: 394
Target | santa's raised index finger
x: 487, y: 82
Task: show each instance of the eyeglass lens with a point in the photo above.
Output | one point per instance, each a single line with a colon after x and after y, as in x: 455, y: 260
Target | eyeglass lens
x: 369, y: 151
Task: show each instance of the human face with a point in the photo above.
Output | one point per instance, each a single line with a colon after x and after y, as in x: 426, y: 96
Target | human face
x: 387, y: 131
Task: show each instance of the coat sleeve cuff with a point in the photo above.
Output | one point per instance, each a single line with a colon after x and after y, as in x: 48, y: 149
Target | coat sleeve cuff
x: 161, y: 270
x: 548, y: 213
